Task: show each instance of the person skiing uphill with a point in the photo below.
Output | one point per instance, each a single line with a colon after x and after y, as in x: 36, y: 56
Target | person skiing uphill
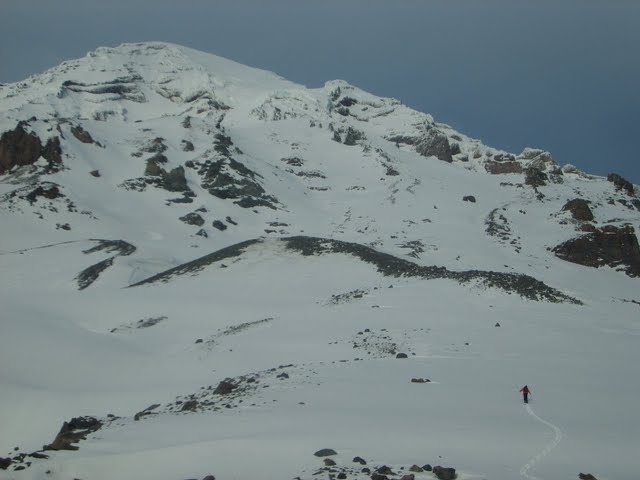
x: 525, y: 393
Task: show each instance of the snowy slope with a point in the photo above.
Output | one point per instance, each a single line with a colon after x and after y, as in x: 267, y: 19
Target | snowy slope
x: 156, y: 261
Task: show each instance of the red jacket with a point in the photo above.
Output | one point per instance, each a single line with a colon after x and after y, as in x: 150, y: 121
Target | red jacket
x: 525, y: 390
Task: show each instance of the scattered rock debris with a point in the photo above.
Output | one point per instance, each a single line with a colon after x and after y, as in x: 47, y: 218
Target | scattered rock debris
x: 331, y: 468
x: 347, y: 297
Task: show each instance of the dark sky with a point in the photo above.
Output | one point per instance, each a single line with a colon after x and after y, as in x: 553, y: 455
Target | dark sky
x: 563, y: 75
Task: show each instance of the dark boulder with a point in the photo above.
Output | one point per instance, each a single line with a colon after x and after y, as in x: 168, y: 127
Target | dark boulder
x: 378, y: 476
x: 416, y: 469
x: 359, y: 460
x: 209, y: 477
x: 384, y: 470
x: 5, y: 463
x: 325, y: 452
x: 469, y: 198
x: 579, y: 208
x: 341, y: 476
x: 586, y: 476
x: 614, y: 246
x: 193, y: 219
x: 444, y: 473
x: 621, y: 183
x: 219, y: 225
x: 427, y: 468
x: 95, y: 173
x: 409, y: 476
x: 402, y: 355
x: 329, y: 463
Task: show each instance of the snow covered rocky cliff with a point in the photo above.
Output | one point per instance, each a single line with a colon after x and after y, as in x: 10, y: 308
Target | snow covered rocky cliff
x: 216, y: 271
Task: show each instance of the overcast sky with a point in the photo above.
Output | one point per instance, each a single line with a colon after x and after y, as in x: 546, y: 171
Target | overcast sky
x: 563, y: 75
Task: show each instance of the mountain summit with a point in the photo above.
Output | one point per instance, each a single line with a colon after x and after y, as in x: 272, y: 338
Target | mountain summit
x: 204, y: 250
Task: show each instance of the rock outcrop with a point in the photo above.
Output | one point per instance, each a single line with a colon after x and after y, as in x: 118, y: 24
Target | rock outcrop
x: 73, y: 431
x: 579, y: 209
x: 501, y: 168
x: 432, y: 143
x: 193, y: 218
x: 388, y: 265
x: 19, y: 147
x: 226, y: 178
x: 225, y: 387
x: 614, y: 246
x: 81, y: 134
x: 146, y: 412
x: 537, y: 158
x: 175, y: 181
x: 90, y: 274
x: 51, y: 193
x: 534, y: 177
x: 621, y: 183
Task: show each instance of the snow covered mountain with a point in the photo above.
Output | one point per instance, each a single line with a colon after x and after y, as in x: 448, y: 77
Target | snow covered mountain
x: 216, y: 271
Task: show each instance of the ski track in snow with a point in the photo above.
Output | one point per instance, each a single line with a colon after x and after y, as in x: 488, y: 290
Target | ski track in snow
x: 524, y: 471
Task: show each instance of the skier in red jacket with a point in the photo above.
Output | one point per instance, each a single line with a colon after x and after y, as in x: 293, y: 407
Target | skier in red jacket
x: 525, y: 393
